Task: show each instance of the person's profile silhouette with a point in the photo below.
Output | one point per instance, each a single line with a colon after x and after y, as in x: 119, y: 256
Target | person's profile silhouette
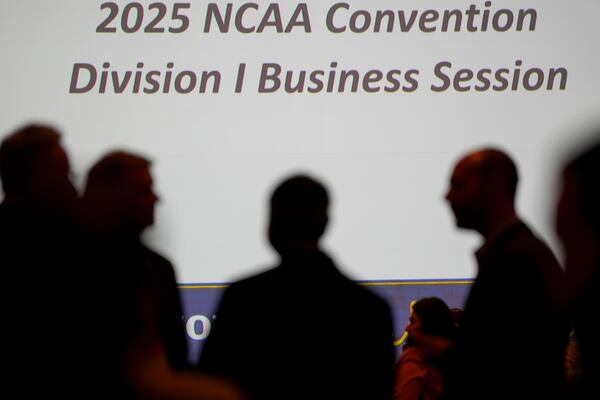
x: 518, y: 284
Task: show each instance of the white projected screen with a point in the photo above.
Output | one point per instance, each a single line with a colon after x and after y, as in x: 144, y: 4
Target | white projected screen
x: 378, y: 99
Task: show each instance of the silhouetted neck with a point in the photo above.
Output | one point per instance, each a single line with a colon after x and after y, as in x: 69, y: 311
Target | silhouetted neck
x: 496, y: 221
x: 500, y: 231
x: 293, y: 247
x: 306, y: 260
x: 111, y: 233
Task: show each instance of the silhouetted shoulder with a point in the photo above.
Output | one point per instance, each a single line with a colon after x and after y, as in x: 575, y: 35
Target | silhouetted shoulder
x: 156, y: 256
x: 308, y: 280
x: 262, y: 278
x: 528, y: 252
x: 523, y: 239
x: 157, y: 263
x: 367, y: 295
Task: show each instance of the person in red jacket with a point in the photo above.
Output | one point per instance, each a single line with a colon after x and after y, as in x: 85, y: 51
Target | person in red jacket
x: 421, y: 368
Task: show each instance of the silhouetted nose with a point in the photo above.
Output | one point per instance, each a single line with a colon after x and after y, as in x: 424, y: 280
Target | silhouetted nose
x: 448, y: 195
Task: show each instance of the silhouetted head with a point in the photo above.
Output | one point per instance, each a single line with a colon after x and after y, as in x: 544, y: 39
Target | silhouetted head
x: 34, y: 169
x: 119, y: 193
x: 298, y: 214
x: 578, y: 211
x: 483, y: 184
x: 431, y: 316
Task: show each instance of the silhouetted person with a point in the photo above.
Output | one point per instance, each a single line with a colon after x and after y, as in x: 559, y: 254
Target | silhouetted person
x: 142, y: 353
x: 118, y: 204
x: 578, y: 226
x: 41, y: 330
x: 422, y: 367
x: 302, y: 330
x: 513, y: 336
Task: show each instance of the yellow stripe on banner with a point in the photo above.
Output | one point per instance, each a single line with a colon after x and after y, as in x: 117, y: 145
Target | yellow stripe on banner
x: 400, y: 283
x: 203, y: 286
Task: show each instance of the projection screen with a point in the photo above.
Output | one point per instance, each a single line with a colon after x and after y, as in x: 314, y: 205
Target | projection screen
x: 377, y: 99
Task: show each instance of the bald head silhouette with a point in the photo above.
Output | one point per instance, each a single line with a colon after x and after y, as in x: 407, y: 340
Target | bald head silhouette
x: 482, y: 190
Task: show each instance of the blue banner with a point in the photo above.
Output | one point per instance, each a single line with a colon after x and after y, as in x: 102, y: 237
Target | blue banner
x: 200, y: 302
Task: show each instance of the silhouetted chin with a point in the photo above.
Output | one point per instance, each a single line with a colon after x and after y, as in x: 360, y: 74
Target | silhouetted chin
x: 464, y: 223
x: 290, y: 248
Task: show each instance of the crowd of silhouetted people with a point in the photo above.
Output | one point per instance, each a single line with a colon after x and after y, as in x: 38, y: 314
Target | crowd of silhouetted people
x: 90, y: 312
